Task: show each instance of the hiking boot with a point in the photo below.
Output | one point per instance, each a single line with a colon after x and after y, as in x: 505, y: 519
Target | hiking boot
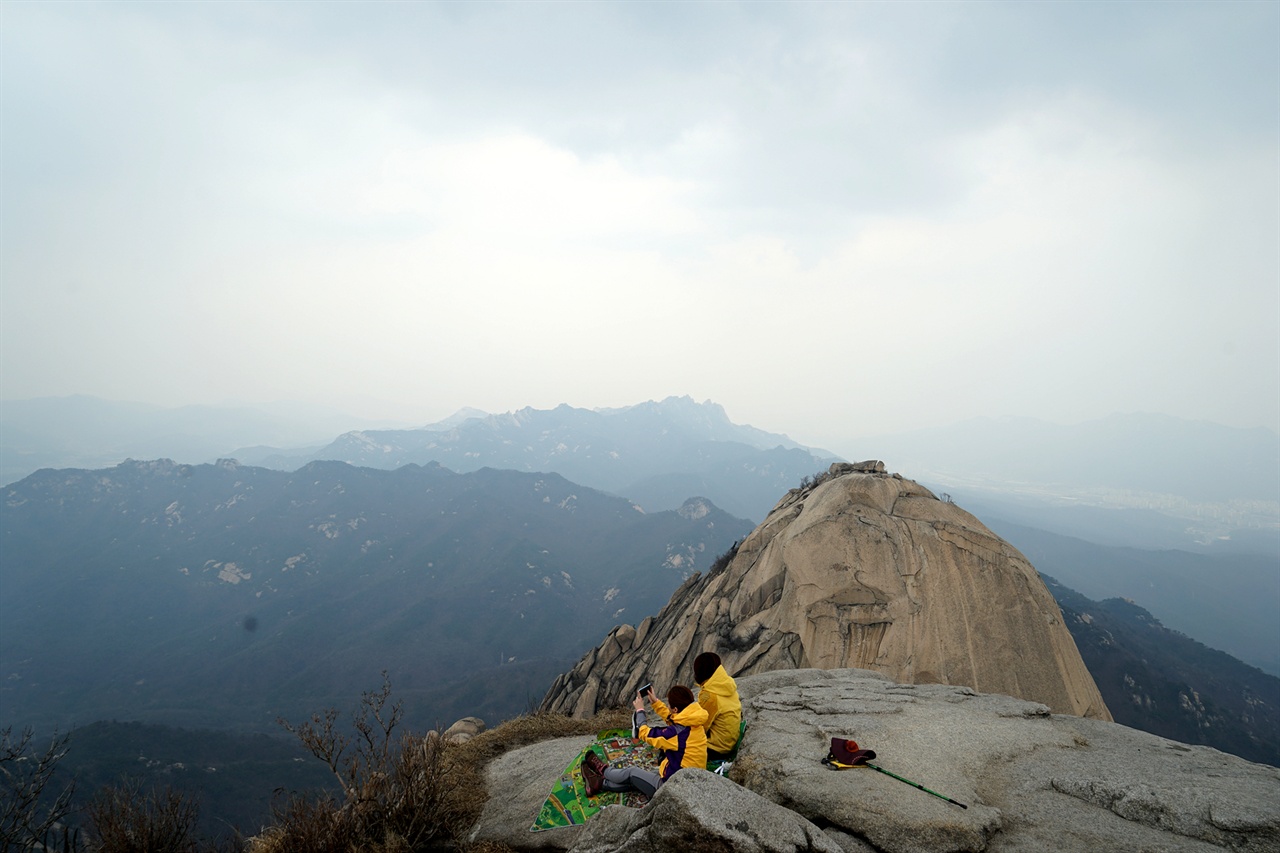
x: 593, y: 772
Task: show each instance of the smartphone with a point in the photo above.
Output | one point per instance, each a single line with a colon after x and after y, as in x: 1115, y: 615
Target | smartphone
x: 644, y: 689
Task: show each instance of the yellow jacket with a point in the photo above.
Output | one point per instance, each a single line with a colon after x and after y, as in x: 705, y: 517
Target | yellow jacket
x: 719, y: 695
x: 683, y: 740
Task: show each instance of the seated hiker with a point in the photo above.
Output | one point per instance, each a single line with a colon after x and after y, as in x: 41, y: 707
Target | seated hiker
x: 683, y: 743
x: 719, y: 696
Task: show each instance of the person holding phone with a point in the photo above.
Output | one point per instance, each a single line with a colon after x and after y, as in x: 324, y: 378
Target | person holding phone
x: 682, y: 741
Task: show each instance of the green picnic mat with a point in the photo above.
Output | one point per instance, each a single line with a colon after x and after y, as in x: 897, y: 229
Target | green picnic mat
x: 569, y: 805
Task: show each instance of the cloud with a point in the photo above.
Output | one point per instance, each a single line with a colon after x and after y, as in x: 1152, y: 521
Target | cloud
x: 859, y: 216
x: 519, y: 188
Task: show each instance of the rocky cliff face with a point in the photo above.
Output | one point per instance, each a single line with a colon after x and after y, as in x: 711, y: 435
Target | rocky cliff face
x: 858, y: 569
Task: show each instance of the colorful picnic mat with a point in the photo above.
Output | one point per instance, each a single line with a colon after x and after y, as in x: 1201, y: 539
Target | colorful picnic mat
x: 569, y: 805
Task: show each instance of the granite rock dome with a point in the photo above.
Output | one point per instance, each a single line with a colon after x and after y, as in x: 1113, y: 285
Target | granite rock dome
x: 862, y: 569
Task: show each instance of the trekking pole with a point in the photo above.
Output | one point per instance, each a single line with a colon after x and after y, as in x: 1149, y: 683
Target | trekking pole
x: 914, y: 785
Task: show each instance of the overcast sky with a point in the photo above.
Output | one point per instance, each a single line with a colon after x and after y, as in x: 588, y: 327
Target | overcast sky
x: 834, y: 219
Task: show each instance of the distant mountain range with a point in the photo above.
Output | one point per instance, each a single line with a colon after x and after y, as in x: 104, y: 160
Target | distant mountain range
x: 1183, y: 518
x: 1138, y: 480
x: 224, y: 595
x: 88, y: 432
x: 655, y: 453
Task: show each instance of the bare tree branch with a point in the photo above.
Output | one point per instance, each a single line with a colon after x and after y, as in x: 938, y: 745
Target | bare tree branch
x: 27, y: 815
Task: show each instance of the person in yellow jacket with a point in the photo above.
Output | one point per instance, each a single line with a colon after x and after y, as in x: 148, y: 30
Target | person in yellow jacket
x: 719, y: 696
x: 683, y: 743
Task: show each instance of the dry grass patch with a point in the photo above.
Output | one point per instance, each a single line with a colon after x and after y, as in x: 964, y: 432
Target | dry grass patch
x: 535, y: 728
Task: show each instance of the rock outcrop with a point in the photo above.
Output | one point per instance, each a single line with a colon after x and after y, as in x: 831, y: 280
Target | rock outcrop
x: 859, y: 569
x: 701, y: 811
x: 1031, y: 780
x: 464, y: 730
x: 696, y: 810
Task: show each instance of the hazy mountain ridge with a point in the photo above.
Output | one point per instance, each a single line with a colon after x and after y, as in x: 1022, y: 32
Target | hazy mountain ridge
x: 1200, y: 485
x: 129, y: 591
x: 656, y: 453
x: 88, y: 432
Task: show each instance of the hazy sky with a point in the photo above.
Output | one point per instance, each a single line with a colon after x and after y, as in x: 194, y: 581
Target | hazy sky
x: 834, y: 219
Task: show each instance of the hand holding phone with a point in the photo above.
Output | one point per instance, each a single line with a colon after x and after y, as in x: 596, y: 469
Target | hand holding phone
x: 645, y: 688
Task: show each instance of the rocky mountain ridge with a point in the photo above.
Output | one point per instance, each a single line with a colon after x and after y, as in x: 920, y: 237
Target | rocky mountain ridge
x: 656, y: 453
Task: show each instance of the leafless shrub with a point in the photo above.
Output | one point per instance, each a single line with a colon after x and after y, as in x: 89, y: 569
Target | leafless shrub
x: 31, y: 812
x: 397, y: 793
x: 124, y: 819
